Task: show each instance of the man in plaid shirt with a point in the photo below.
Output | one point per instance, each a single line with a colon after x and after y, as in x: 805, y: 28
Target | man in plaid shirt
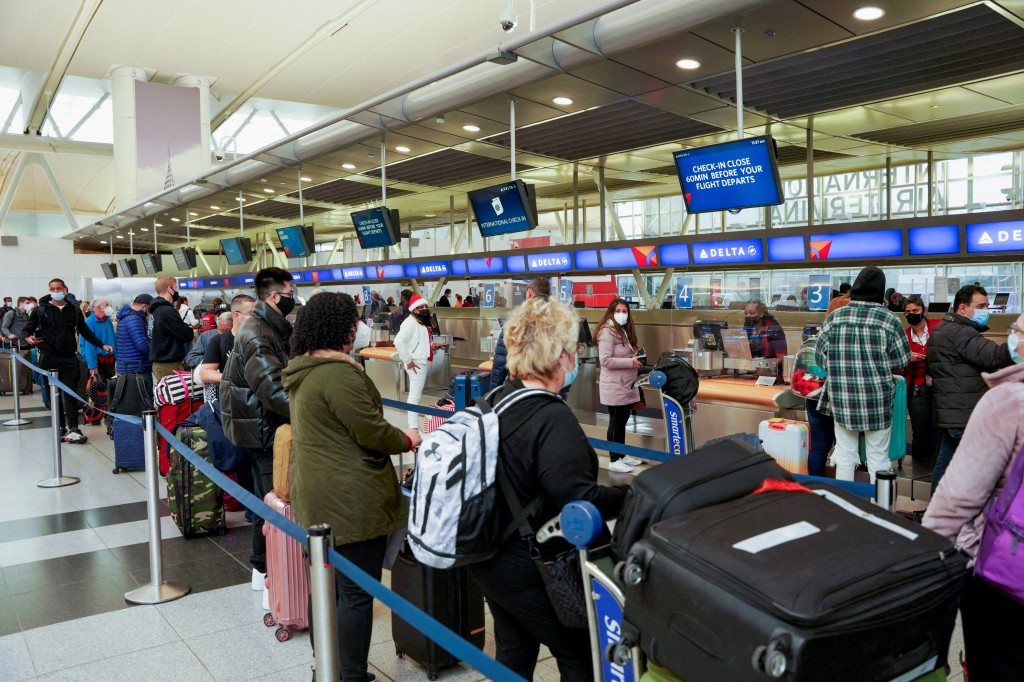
x: 859, y: 346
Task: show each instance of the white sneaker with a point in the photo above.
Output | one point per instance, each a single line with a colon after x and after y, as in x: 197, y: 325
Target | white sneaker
x: 259, y: 580
x: 74, y: 436
x: 266, y: 600
x: 620, y: 467
x: 632, y: 461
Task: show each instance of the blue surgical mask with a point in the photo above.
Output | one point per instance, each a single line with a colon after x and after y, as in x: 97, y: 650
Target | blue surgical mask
x: 1011, y: 343
x: 570, y: 376
x: 58, y: 296
x: 981, y: 316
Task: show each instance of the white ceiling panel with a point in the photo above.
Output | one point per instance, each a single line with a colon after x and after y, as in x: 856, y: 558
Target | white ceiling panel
x: 31, y: 33
x: 932, y: 106
x: 1008, y: 88
x: 896, y: 12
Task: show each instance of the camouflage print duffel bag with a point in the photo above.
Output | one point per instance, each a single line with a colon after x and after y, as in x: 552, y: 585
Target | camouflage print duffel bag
x: 196, y: 502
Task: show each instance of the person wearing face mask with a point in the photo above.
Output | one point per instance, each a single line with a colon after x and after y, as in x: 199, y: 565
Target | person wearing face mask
x: 168, y: 333
x: 545, y: 456
x: 920, y: 404
x: 414, y: 345
x: 957, y: 355
x: 616, y: 345
x: 14, y: 320
x: 7, y: 306
x: 99, y: 361
x: 767, y: 340
x: 220, y: 346
x: 341, y: 460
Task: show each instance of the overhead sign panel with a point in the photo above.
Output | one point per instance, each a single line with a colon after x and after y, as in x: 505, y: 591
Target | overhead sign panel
x: 517, y: 264
x: 486, y: 266
x: 348, y: 274
x: 986, y: 237
x: 434, y: 269
x: 731, y: 175
x: 786, y: 248
x: 843, y: 245
x: 732, y: 251
x: 939, y: 240
x: 458, y: 267
x: 553, y: 261
x: 376, y: 227
x: 503, y: 208
x: 586, y: 259
x: 675, y: 254
x: 630, y: 257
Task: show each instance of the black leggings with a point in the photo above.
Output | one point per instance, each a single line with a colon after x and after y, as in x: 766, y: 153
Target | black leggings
x: 618, y: 417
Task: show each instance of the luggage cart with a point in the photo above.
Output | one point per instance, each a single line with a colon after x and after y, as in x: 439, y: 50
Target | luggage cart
x: 678, y: 419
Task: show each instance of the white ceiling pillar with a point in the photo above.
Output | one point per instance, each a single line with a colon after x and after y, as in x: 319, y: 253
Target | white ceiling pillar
x: 122, y: 88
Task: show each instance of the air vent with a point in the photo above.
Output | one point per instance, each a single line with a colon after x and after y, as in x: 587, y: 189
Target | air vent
x: 971, y: 126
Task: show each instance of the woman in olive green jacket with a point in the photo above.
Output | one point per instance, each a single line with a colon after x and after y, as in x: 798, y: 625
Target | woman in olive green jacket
x: 341, y: 471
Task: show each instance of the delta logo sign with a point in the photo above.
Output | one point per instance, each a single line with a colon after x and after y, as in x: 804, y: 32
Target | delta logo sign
x: 738, y: 251
x: 380, y: 273
x: 819, y: 250
x: 1007, y: 236
x: 646, y: 256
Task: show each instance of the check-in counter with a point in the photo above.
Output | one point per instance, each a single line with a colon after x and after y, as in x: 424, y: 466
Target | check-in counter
x: 387, y: 374
x: 727, y: 405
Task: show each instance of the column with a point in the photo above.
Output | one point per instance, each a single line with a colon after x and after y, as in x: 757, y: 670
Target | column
x: 122, y: 89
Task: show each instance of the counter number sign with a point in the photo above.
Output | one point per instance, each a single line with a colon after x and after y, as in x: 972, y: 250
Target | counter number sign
x: 366, y: 295
x: 488, y: 301
x: 684, y: 292
x: 819, y: 292
x: 565, y: 291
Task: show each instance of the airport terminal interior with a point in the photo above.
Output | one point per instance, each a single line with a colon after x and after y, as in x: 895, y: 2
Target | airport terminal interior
x: 723, y: 167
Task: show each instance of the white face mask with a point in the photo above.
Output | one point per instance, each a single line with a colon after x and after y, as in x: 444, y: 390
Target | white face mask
x: 621, y: 319
x: 28, y: 307
x: 362, y: 339
x: 108, y: 311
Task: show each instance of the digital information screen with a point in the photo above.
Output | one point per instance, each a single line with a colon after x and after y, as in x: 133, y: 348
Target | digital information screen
x: 293, y: 241
x: 300, y: 277
x: 411, y: 270
x: 373, y: 228
x: 587, y: 260
x: 348, y: 274
x: 517, y: 264
x: 985, y: 237
x: 556, y: 261
x: 434, y: 269
x: 501, y: 209
x: 927, y: 241
x: 392, y: 271
x: 486, y: 266
x: 786, y: 248
x: 732, y: 251
x: 675, y: 254
x: 843, y: 245
x: 317, y: 276
x: 233, y: 251
x: 731, y: 175
x: 630, y: 257
x: 459, y: 268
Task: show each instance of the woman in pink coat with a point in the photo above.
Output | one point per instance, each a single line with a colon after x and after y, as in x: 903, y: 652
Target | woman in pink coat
x: 993, y: 621
x: 616, y: 345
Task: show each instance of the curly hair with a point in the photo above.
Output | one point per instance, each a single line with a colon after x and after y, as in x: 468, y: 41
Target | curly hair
x: 326, y: 322
x: 536, y: 334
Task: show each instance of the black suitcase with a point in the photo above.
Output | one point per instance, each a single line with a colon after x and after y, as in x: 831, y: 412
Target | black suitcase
x: 709, y: 475
x: 450, y: 596
x: 793, y: 586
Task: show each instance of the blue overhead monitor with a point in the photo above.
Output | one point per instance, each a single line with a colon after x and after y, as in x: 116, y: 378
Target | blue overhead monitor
x: 551, y: 261
x: 300, y: 276
x: 517, y: 264
x: 587, y: 260
x: 351, y: 273
x: 732, y: 251
x: 434, y: 269
x: 731, y: 175
x: 674, y: 254
x: 508, y: 207
x: 297, y: 241
x: 411, y: 270
x: 844, y: 245
x: 986, y: 237
x: 376, y: 227
x: 238, y: 250
x: 940, y: 240
x: 630, y: 257
x: 459, y: 268
x: 786, y: 248
x: 486, y: 266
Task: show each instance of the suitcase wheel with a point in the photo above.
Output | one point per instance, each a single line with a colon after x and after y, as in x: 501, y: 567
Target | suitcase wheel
x: 431, y: 674
x: 268, y: 620
x: 116, y: 471
x: 399, y: 653
x: 618, y: 654
x: 771, y: 659
x: 283, y: 634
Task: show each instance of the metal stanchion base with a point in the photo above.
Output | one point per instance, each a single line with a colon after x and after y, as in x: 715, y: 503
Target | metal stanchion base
x: 58, y: 482
x: 17, y: 422
x: 157, y: 594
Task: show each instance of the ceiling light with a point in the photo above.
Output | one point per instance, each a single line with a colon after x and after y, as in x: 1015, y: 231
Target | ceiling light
x: 103, y: 241
x: 869, y: 13
x: 146, y: 229
x: 193, y: 213
x: 348, y: 166
x: 120, y: 236
x: 562, y: 101
x: 404, y: 150
x: 268, y: 190
x: 430, y: 215
x: 935, y: 106
x: 215, y: 208
x: 157, y: 224
x: 471, y: 128
x: 688, y: 64
x: 175, y: 220
x: 304, y: 179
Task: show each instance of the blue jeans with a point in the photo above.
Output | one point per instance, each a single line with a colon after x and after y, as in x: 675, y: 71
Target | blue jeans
x: 823, y: 437
x: 950, y: 441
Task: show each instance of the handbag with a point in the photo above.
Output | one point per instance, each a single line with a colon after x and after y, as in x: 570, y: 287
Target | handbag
x: 998, y: 561
x: 563, y: 579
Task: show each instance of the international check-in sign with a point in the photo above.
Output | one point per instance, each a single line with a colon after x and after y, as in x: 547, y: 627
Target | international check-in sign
x: 488, y: 301
x: 684, y: 292
x: 819, y: 292
x: 565, y: 291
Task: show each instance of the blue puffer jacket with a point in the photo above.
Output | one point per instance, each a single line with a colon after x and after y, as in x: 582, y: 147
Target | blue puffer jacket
x: 132, y: 344
x: 499, y: 373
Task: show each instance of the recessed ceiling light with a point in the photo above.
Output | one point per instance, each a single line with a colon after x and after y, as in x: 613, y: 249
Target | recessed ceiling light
x: 688, y: 64
x: 562, y: 101
x: 348, y: 166
x: 215, y: 208
x: 404, y: 150
x: 869, y: 13
x: 268, y: 190
x: 471, y: 128
x: 175, y: 220
x: 304, y: 179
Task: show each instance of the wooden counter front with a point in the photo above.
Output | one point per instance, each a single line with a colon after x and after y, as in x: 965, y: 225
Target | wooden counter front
x: 746, y: 392
x: 378, y: 353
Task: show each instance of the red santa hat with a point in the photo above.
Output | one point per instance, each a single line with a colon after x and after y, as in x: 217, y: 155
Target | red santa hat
x: 417, y: 301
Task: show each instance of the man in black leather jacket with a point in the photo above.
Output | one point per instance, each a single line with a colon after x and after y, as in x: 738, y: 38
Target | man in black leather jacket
x: 253, y: 401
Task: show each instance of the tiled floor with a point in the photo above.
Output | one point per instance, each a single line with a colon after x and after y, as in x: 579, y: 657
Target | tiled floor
x: 68, y: 555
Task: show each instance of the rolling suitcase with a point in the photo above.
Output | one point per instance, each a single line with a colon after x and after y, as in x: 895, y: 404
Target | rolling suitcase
x: 129, y: 447
x: 450, y: 596
x: 287, y: 576
x: 795, y: 585
x: 196, y: 502
x: 898, y: 436
x: 128, y: 394
x: 787, y: 441
x: 6, y: 378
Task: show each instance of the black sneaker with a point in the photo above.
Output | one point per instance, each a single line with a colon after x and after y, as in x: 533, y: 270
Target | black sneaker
x: 75, y: 436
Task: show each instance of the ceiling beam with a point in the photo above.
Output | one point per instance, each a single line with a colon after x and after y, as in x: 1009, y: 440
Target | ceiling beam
x: 53, y: 145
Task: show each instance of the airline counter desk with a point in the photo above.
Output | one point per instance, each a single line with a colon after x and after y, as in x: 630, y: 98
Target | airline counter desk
x: 390, y: 379
x: 728, y: 405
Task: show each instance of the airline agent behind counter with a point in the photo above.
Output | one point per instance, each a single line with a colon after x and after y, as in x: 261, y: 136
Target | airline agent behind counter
x: 767, y: 340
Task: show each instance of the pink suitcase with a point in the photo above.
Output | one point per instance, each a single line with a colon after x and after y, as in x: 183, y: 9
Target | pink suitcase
x: 787, y: 441
x: 287, y: 576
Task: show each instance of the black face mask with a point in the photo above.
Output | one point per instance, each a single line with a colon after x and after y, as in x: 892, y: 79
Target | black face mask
x: 286, y: 304
x: 175, y: 296
x: 751, y: 321
x: 914, y: 319
x: 423, y: 316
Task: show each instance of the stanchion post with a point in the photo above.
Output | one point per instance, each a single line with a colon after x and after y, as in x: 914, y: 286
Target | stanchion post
x: 157, y: 591
x: 59, y: 480
x: 17, y: 421
x: 885, y: 490
x: 321, y: 590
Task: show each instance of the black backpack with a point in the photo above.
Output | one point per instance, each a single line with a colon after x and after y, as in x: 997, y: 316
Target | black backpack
x: 682, y: 378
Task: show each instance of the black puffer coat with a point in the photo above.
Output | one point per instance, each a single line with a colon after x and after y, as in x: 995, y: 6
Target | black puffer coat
x: 957, y: 355
x: 253, y: 402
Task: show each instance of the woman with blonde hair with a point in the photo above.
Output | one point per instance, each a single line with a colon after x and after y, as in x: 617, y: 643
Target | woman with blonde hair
x: 545, y: 457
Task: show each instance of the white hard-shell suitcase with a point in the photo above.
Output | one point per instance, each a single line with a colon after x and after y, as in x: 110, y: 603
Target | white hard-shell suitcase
x: 787, y: 441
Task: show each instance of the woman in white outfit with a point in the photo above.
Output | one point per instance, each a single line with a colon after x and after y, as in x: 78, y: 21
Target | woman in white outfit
x: 414, y: 346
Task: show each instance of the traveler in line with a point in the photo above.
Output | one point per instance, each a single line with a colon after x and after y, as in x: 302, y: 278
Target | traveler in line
x: 545, y: 455
x: 185, y: 313
x: 538, y: 286
x: 445, y: 300
x: 219, y: 348
x: 767, y: 340
x: 957, y: 355
x: 51, y: 328
x: 920, y: 405
x: 7, y: 306
x: 993, y: 622
x: 341, y: 462
x: 85, y: 307
x: 221, y: 323
x: 168, y: 333
x: 860, y: 345
x: 15, y: 319
x: 253, y: 402
x: 132, y: 343
x: 415, y: 347
x: 617, y: 353
x: 98, y: 360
